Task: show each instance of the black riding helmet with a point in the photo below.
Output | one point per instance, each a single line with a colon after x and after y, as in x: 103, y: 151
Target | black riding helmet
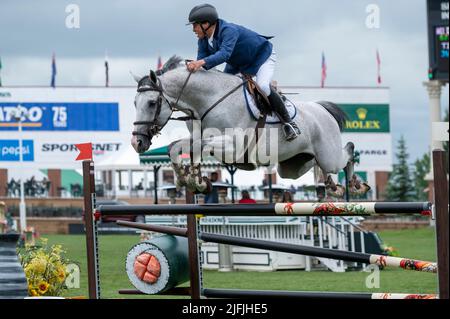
x: 203, y: 13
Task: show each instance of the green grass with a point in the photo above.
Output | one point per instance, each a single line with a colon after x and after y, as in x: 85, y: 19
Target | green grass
x: 419, y: 244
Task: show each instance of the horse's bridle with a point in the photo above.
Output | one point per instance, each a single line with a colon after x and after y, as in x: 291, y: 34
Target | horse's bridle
x: 153, y: 128
x: 150, y: 85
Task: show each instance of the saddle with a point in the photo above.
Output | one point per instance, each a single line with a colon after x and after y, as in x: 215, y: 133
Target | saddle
x: 260, y: 98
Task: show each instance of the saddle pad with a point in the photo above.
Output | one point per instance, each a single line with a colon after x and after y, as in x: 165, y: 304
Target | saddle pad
x: 271, y: 119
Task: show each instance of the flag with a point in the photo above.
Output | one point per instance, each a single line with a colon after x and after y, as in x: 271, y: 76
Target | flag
x: 85, y: 151
x: 159, y: 64
x: 324, y: 71
x: 378, y: 67
x: 53, y: 71
x: 106, y: 70
x: 0, y: 71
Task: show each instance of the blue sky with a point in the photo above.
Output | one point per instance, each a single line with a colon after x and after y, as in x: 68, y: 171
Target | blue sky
x: 135, y: 32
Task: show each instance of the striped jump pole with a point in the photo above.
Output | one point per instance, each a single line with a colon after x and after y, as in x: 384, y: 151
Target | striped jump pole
x: 298, y: 209
x: 237, y: 293
x: 380, y: 260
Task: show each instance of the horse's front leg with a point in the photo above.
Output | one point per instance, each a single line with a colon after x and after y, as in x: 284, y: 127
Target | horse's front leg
x: 176, y: 149
x: 333, y: 189
x: 189, y: 175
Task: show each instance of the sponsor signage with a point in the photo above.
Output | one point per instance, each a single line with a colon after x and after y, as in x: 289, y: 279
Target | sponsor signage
x: 57, y: 151
x: 10, y: 151
x: 61, y: 116
x: 438, y: 45
x: 375, y: 150
x: 366, y: 118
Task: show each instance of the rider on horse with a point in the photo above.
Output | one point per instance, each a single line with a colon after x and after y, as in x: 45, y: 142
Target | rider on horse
x: 243, y: 50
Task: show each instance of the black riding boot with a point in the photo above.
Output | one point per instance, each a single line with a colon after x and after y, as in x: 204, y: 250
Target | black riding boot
x: 290, y: 129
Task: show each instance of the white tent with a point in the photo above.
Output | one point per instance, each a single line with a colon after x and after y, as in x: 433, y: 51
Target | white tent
x: 125, y: 160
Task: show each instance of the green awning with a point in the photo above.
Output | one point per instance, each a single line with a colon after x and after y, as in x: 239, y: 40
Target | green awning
x: 68, y: 177
x: 156, y: 157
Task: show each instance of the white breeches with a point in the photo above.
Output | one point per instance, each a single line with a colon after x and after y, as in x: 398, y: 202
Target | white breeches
x: 265, y: 73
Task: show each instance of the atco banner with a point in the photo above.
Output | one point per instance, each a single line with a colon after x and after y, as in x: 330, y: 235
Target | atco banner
x: 61, y: 116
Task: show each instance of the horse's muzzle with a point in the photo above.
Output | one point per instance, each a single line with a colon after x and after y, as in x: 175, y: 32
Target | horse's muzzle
x: 140, y: 143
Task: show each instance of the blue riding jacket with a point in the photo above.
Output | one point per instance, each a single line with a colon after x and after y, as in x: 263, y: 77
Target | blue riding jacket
x: 242, y: 49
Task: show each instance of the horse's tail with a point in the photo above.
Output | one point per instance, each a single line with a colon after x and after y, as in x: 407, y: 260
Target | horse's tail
x: 336, y: 112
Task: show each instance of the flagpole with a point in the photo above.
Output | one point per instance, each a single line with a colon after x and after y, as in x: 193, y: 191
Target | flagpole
x: 22, y: 205
x: 106, y: 69
x: 53, y: 82
x: 378, y: 68
x: 0, y: 71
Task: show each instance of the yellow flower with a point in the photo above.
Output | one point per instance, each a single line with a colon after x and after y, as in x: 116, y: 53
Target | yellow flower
x: 39, y: 264
x: 45, y: 269
x: 61, y: 274
x: 33, y: 292
x: 43, y: 287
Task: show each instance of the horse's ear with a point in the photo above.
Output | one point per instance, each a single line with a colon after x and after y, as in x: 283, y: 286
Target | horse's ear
x: 135, y: 77
x: 153, y: 77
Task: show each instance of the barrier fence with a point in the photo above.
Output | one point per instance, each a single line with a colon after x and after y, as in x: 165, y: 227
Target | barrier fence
x: 439, y: 211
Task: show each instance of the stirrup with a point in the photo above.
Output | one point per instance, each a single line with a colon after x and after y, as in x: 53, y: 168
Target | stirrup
x: 295, y: 127
x: 289, y: 132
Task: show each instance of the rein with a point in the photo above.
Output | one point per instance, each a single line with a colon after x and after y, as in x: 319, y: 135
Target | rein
x: 154, y: 129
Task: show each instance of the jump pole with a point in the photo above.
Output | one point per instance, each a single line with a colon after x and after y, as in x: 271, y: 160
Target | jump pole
x: 380, y: 260
x: 237, y: 293
x: 195, y: 269
x: 442, y: 223
x: 91, y: 230
x: 279, y: 209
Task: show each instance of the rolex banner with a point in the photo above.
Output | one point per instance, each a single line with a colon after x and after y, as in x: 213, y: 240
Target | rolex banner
x: 367, y: 118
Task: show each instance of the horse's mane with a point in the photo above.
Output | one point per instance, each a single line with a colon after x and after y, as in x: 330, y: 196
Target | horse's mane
x: 171, y: 64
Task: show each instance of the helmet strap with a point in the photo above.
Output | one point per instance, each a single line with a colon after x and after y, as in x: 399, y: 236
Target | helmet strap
x: 204, y: 30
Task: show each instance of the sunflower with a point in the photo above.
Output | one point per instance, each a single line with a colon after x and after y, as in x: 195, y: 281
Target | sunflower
x: 61, y: 275
x: 43, y: 287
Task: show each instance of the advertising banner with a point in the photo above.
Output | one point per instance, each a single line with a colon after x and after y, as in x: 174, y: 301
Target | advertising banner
x: 366, y: 118
x: 61, y: 116
x: 10, y: 151
x: 375, y: 150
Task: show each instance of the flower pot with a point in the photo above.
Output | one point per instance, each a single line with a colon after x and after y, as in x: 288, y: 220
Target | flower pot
x: 13, y: 283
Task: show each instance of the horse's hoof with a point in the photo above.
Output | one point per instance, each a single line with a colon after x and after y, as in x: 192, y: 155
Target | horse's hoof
x: 208, y: 184
x: 337, y: 193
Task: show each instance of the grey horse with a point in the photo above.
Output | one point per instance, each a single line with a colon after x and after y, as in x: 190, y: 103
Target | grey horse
x: 174, y: 88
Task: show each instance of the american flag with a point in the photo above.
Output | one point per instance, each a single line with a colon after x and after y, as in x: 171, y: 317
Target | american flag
x: 53, y: 82
x: 324, y: 70
x: 159, y: 64
x: 378, y: 67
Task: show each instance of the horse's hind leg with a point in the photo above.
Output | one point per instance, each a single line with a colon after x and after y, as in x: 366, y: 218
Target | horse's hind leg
x: 325, y: 186
x: 332, y: 161
x: 353, y: 184
x: 319, y: 183
x: 349, y: 156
